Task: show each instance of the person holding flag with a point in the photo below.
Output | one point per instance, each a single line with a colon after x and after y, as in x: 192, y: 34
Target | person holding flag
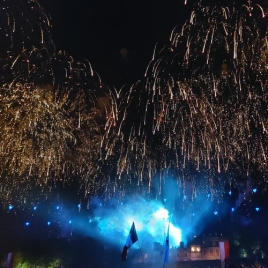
x: 132, y: 238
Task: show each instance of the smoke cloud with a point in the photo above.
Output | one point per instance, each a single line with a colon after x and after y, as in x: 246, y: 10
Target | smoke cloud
x: 111, y: 222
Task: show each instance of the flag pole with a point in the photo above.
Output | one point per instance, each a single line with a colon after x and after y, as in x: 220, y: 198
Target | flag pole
x: 141, y: 254
x: 164, y: 264
x: 166, y: 247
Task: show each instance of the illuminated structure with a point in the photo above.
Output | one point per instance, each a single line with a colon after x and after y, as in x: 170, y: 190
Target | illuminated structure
x: 204, y: 248
x: 203, y: 251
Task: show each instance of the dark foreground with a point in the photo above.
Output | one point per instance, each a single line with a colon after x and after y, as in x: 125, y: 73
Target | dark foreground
x: 91, y: 253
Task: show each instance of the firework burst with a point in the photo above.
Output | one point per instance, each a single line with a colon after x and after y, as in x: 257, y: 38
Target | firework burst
x: 202, y: 104
x: 51, y: 108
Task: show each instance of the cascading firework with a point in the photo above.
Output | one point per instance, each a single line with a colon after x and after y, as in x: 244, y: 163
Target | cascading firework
x: 202, y: 106
x: 51, y: 108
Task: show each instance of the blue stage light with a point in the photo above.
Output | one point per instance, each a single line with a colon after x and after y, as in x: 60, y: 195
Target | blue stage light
x: 58, y: 207
x: 70, y: 221
x: 35, y: 207
x: 79, y: 205
x: 215, y: 212
x: 257, y: 208
x: 254, y: 190
x: 230, y: 192
x: 27, y: 223
x: 233, y: 209
x: 48, y: 223
x: 208, y: 195
x: 100, y: 204
x: 165, y: 199
x: 10, y: 207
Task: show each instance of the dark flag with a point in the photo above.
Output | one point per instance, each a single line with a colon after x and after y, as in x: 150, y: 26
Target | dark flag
x: 132, y: 238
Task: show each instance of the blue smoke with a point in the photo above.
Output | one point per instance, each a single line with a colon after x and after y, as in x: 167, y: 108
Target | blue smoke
x: 151, y: 219
x: 188, y: 213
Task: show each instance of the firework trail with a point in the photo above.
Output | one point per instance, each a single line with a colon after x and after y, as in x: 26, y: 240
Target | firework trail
x: 24, y: 24
x: 25, y: 35
x: 51, y: 108
x: 201, y: 107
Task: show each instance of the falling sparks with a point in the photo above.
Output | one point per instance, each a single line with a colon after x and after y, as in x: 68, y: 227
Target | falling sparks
x: 200, y: 109
x: 202, y: 104
x: 51, y: 108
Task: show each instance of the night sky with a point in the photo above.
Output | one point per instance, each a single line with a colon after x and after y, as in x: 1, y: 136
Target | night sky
x: 117, y: 37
